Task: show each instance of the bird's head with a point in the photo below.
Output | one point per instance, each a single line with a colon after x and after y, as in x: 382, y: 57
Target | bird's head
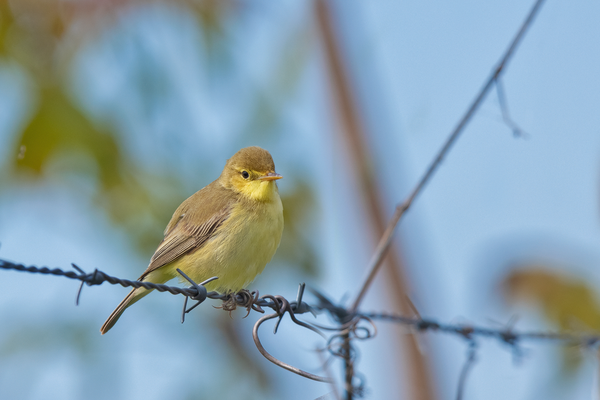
x: 251, y: 172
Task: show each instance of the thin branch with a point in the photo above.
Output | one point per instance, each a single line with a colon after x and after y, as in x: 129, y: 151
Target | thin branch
x: 517, y: 131
x: 386, y: 239
x: 334, y: 390
x: 355, y: 135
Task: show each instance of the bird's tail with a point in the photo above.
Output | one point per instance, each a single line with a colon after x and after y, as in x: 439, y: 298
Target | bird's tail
x: 157, y: 276
x: 132, y: 297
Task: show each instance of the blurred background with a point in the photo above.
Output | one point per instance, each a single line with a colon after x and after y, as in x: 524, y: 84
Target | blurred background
x: 113, y: 112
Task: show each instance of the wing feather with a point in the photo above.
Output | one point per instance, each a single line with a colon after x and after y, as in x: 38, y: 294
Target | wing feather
x: 190, y: 228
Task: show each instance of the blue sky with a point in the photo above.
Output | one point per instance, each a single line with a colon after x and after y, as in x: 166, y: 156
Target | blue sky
x: 416, y: 67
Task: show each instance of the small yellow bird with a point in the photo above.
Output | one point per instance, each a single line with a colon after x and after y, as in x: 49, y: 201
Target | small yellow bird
x: 229, y: 229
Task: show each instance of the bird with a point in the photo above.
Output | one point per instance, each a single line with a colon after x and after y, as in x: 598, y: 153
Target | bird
x: 230, y: 229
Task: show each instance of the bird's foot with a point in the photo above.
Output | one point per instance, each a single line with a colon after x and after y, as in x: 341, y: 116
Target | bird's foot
x: 243, y: 298
x: 249, y: 300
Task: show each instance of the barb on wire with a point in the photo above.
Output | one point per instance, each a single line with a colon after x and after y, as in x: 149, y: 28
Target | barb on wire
x: 467, y: 367
x: 386, y: 239
x: 251, y: 301
x: 80, y: 286
x: 348, y: 326
x: 200, y: 297
x: 98, y: 277
x: 508, y: 335
x: 347, y: 321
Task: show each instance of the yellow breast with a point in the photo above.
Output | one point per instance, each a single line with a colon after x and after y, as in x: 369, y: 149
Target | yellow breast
x: 241, y: 247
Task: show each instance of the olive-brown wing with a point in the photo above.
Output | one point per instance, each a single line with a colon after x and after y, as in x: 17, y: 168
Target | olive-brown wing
x: 193, y: 224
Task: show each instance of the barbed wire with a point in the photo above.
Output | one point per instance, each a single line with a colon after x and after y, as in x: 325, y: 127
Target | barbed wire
x: 467, y: 367
x: 351, y: 325
x: 469, y: 332
x: 348, y: 326
x: 195, y: 292
x: 401, y: 209
x: 386, y: 240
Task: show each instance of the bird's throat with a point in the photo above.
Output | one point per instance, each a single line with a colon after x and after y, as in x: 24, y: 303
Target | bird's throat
x: 263, y: 191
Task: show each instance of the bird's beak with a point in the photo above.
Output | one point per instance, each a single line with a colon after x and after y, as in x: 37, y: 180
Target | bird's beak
x: 271, y: 176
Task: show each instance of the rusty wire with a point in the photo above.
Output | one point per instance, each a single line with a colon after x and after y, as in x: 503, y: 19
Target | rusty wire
x: 348, y: 326
x: 348, y: 319
x: 505, y: 335
x: 196, y: 292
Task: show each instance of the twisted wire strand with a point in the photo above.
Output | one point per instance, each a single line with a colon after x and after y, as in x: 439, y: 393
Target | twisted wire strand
x: 284, y: 307
x: 98, y: 277
x: 507, y: 335
x: 347, y: 330
x: 338, y: 313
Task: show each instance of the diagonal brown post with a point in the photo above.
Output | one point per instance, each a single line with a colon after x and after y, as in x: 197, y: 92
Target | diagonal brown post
x: 420, y: 381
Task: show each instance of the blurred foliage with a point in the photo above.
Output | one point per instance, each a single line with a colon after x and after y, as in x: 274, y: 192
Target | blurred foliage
x: 36, y: 338
x: 570, y: 303
x: 62, y: 142
x: 265, y: 117
x: 60, y: 132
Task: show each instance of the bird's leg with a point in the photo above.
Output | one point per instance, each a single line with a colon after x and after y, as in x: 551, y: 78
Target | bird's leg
x: 248, y: 300
x: 229, y: 303
x: 243, y: 298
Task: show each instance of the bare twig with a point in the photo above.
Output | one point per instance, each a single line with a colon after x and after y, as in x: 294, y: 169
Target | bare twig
x: 517, y: 131
x: 325, y: 363
x: 355, y: 135
x: 386, y: 239
x: 347, y: 320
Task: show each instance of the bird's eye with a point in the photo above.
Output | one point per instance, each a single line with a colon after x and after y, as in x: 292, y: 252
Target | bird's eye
x: 245, y: 174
